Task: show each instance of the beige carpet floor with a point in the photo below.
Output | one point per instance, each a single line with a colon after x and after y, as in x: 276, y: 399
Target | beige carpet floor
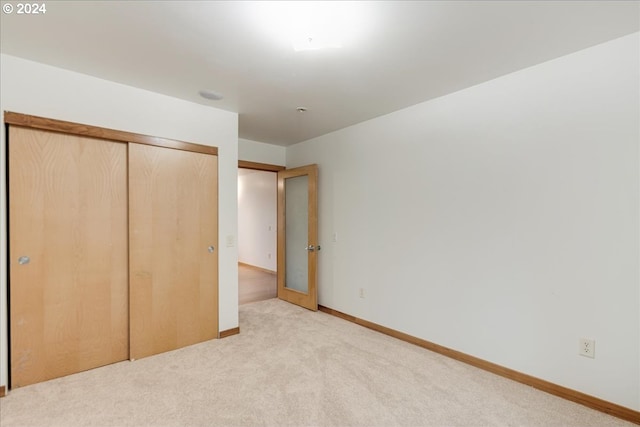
x: 290, y: 366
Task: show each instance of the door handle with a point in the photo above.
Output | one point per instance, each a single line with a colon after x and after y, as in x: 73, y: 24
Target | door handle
x: 24, y: 260
x: 312, y: 248
x: 211, y: 249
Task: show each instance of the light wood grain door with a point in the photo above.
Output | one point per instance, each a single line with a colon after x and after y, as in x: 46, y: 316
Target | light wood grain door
x: 173, y: 248
x: 298, y: 236
x: 68, y: 254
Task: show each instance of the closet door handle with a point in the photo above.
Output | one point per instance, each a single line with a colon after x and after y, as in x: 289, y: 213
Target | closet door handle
x: 24, y: 260
x: 211, y: 249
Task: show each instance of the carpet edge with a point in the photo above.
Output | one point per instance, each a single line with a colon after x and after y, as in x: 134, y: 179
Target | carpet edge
x: 592, y: 402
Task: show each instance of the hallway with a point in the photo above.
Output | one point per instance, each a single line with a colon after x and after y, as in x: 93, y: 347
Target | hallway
x: 255, y: 284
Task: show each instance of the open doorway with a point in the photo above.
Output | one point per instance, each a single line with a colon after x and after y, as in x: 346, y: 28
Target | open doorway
x: 257, y: 233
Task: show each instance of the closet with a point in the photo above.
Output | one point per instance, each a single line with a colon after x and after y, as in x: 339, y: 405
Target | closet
x: 112, y: 246
x: 173, y: 237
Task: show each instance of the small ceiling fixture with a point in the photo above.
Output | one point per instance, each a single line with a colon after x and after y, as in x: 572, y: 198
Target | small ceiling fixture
x: 306, y: 42
x: 310, y: 25
x: 301, y: 109
x: 210, y: 94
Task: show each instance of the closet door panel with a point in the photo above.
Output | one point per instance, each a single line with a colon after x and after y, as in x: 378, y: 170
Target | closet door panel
x: 173, y: 275
x: 68, y: 215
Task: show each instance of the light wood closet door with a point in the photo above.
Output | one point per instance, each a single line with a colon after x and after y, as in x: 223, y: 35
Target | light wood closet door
x: 173, y: 248
x: 68, y: 215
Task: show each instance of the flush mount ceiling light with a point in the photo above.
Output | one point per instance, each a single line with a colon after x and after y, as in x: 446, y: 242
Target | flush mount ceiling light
x: 308, y: 25
x: 210, y: 94
x: 315, y: 43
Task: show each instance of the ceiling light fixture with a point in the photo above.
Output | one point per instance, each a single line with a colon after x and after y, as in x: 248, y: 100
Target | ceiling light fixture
x: 309, y: 25
x: 210, y: 94
x: 315, y: 43
x: 301, y: 109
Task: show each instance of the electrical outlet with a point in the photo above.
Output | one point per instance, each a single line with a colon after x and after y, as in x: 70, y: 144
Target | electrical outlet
x: 361, y: 293
x: 587, y: 348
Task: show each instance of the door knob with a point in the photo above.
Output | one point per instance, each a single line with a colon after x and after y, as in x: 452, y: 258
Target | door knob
x: 312, y: 248
x: 211, y: 249
x: 24, y: 260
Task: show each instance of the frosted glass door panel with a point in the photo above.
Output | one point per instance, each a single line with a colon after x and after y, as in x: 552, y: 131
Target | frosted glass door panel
x: 297, y: 232
x: 298, y: 236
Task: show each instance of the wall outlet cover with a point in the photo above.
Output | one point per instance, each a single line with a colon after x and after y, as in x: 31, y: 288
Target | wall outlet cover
x: 587, y: 347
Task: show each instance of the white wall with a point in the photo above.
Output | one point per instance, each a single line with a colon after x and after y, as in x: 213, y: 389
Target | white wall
x: 260, y: 152
x: 257, y: 218
x: 501, y: 221
x: 31, y: 88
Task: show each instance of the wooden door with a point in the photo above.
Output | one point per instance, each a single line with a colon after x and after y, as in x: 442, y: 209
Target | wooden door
x: 298, y: 236
x: 68, y: 254
x: 173, y: 248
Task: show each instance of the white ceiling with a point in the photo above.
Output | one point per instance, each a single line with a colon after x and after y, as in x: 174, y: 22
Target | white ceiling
x: 394, y: 55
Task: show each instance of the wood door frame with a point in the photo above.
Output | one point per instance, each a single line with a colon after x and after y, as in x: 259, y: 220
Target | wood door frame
x: 71, y: 128
x: 264, y: 167
x: 279, y: 267
x: 244, y: 164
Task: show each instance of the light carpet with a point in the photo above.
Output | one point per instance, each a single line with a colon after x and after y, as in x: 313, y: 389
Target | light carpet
x: 290, y: 366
